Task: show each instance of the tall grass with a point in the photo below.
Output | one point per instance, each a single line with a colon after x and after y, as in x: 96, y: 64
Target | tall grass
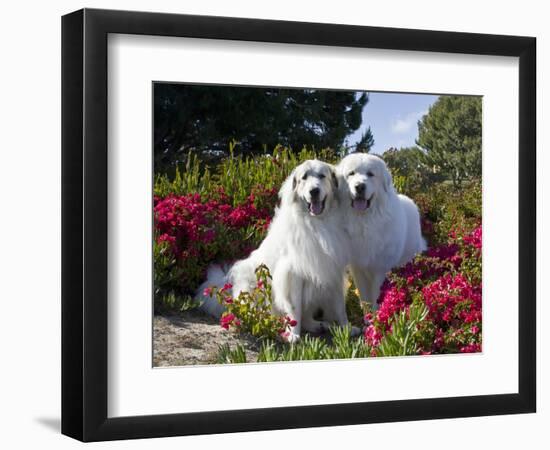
x: 238, y: 175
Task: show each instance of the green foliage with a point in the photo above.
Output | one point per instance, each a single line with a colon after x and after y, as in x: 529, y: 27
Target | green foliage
x: 355, y: 309
x: 410, y: 169
x: 344, y: 346
x: 340, y: 345
x: 309, y: 348
x: 366, y: 142
x: 226, y: 355
x: 405, y: 332
x: 171, y: 302
x: 188, y: 178
x: 167, y: 274
x: 204, y: 119
x: 238, y: 175
x: 444, y: 208
x: 451, y: 135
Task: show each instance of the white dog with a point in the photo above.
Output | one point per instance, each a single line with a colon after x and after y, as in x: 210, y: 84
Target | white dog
x: 306, y: 251
x: 384, y: 227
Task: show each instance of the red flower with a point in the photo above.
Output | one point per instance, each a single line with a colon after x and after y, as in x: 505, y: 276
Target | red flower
x: 373, y: 336
x: 208, y: 292
x: 471, y: 348
x: 226, y: 320
x: 443, y: 280
x: 226, y: 287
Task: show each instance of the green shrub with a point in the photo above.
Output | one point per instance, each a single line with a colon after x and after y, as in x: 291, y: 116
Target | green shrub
x: 168, y: 274
x: 410, y: 170
x: 444, y: 208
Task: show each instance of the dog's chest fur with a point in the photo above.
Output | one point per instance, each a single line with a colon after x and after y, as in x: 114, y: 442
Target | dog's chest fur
x: 372, y: 236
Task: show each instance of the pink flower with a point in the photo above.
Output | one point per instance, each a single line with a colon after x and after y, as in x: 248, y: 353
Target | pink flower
x: 226, y: 320
x: 373, y: 336
x: 471, y: 348
x: 208, y: 292
x: 226, y: 287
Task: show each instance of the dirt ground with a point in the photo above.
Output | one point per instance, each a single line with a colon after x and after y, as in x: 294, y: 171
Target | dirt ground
x: 191, y: 337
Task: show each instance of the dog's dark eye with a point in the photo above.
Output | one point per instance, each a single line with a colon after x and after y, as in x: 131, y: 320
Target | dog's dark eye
x: 350, y: 174
x: 304, y: 177
x: 370, y: 174
x: 321, y: 176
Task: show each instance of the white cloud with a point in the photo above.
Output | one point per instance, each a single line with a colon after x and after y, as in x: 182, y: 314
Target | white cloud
x: 404, y: 124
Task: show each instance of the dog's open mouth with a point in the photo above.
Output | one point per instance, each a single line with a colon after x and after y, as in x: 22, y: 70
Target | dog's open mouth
x: 316, y: 207
x: 361, y: 203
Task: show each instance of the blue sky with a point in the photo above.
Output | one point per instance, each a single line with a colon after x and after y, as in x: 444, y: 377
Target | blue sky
x: 393, y: 119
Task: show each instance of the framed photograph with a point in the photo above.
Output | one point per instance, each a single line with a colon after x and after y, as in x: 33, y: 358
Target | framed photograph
x: 273, y: 224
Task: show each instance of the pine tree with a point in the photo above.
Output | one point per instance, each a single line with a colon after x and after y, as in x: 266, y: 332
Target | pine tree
x: 451, y: 136
x: 205, y: 119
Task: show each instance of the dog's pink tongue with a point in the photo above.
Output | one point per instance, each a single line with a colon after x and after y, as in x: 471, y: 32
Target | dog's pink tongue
x: 360, y: 204
x: 316, y: 208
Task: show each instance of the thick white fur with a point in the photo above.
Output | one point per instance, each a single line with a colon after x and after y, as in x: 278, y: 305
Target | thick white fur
x: 305, y: 250
x: 387, y: 233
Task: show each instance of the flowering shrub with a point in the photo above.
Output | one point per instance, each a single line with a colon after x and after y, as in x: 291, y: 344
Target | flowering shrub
x: 191, y: 233
x: 444, y: 209
x: 251, y: 312
x: 446, y: 283
x: 431, y: 305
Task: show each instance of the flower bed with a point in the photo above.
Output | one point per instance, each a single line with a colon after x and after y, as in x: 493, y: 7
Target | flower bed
x: 431, y: 305
x: 191, y: 233
x: 447, y: 281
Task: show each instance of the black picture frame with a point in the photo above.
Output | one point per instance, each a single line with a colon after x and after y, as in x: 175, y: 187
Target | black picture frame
x: 84, y: 224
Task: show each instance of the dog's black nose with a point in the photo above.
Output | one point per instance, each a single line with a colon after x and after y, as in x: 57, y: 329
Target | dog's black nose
x: 360, y: 188
x: 314, y: 192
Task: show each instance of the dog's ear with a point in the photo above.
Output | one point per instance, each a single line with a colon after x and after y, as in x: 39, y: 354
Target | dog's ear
x: 334, y: 178
x: 287, y: 193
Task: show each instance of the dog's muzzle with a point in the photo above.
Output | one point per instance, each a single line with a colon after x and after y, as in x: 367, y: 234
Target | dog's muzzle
x: 316, y: 206
x: 360, y: 203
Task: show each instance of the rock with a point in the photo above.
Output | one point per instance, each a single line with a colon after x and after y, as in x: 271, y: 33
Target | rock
x: 191, y: 338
